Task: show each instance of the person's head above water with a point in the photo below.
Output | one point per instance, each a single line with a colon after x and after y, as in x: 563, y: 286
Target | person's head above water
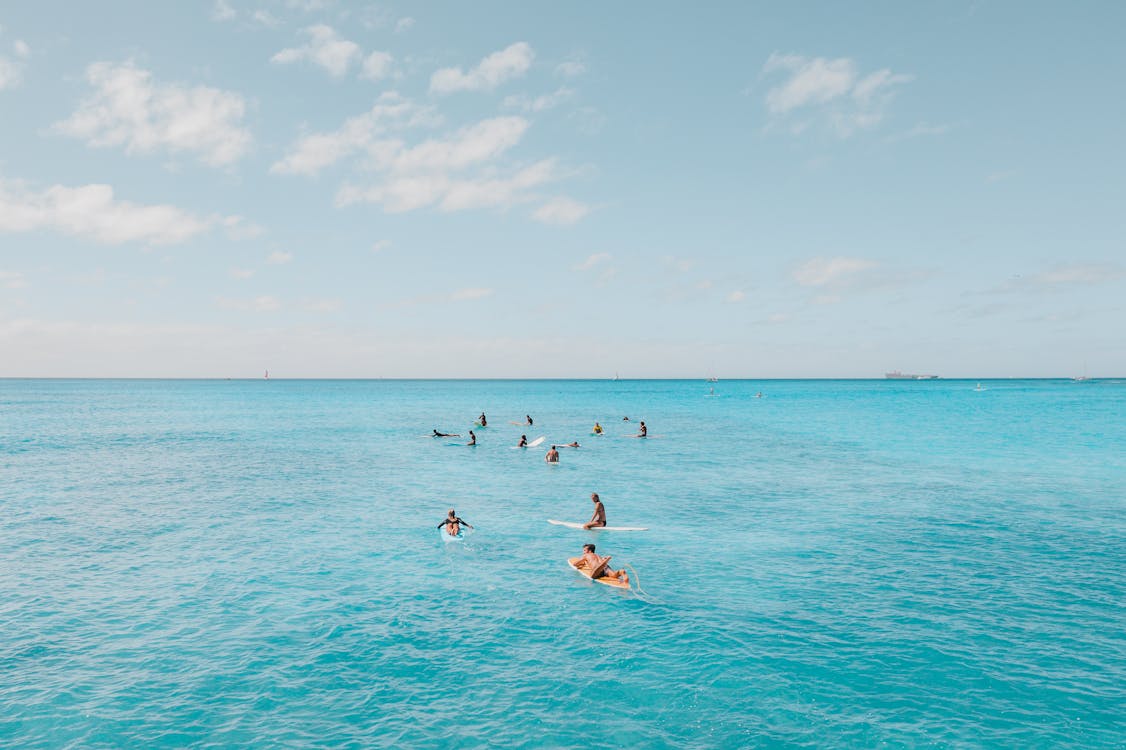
x: 588, y: 548
x: 594, y: 497
x: 452, y: 513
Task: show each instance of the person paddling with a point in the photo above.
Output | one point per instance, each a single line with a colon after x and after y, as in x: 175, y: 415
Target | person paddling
x: 453, y: 524
x: 599, y: 567
x: 445, y: 434
x: 599, y: 518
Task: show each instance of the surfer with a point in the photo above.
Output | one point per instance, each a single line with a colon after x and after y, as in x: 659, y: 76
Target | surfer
x: 445, y: 434
x: 574, y: 444
x: 599, y: 517
x: 482, y: 421
x: 625, y: 419
x: 523, y: 442
x: 453, y: 524
x: 644, y: 431
x: 599, y: 566
x: 552, y: 456
x: 597, y: 429
x: 472, y: 438
x: 528, y: 420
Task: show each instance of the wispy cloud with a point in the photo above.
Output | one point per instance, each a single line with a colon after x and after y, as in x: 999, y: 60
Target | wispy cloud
x: 222, y: 11
x: 736, y: 296
x: 92, y: 212
x: 11, y: 69
x: 493, y: 70
x: 241, y: 273
x: 570, y: 69
x: 404, y: 25
x: 592, y: 260
x: 471, y: 293
x: 262, y: 304
x: 540, y: 103
x: 380, y: 245
x: 324, y: 49
x: 832, y: 91
x: 12, y: 279
x: 127, y: 108
x: 367, y: 133
x: 561, y: 211
x: 831, y: 272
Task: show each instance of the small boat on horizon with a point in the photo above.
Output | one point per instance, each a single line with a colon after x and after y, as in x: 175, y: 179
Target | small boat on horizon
x: 897, y: 375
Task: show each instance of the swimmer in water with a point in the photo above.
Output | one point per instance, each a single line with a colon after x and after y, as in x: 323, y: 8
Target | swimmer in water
x: 523, y: 442
x: 552, y: 456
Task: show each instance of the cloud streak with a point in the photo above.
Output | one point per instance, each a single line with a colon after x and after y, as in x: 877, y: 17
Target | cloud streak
x: 511, y: 62
x: 128, y: 108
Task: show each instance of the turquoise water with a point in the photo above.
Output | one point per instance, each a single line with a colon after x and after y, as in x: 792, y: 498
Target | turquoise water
x: 837, y: 564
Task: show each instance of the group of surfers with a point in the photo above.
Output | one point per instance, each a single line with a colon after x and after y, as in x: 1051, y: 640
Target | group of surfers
x: 552, y: 456
x: 594, y: 565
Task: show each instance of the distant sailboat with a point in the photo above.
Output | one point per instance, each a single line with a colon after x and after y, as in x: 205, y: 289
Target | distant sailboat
x: 615, y: 376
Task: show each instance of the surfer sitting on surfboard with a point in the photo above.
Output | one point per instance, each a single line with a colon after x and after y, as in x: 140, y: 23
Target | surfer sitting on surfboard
x: 482, y: 421
x: 453, y: 524
x: 643, y: 431
x: 445, y: 434
x: 523, y: 442
x: 597, y: 429
x: 472, y: 438
x: 598, y: 567
x: 599, y: 517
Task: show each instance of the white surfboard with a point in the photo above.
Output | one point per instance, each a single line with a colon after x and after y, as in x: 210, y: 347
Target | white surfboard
x: 573, y: 525
x: 536, y: 442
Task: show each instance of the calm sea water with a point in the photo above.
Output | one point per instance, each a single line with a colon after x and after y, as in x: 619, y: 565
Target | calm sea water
x: 836, y: 564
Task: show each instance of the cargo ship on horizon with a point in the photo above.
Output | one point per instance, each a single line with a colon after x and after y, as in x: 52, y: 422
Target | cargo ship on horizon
x: 897, y: 375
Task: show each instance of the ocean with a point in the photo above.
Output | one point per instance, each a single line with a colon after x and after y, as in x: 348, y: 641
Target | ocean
x: 834, y: 564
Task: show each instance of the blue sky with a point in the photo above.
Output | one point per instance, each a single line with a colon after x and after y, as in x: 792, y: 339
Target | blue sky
x: 331, y: 189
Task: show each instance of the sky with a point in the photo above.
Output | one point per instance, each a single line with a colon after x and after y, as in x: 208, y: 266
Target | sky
x: 450, y: 189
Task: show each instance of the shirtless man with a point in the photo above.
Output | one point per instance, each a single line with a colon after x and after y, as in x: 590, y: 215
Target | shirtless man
x: 453, y: 524
x: 643, y: 431
x: 599, y: 517
x: 552, y: 456
x: 599, y: 566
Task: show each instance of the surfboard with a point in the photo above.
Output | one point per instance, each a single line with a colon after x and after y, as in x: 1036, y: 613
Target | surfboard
x: 574, y: 525
x: 574, y: 562
x: 536, y: 442
x: 455, y: 538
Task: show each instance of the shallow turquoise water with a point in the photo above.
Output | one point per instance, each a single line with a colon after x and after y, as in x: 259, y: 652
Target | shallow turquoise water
x: 837, y: 564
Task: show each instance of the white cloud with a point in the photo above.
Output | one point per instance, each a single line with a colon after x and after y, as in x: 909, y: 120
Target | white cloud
x: 570, y: 69
x: 239, y: 228
x: 407, y: 192
x: 404, y: 25
x: 736, y: 296
x: 91, y: 211
x: 380, y: 245
x: 279, y: 258
x: 262, y: 303
x: 592, y: 261
x: 128, y: 109
x: 325, y: 49
x: 471, y: 293
x: 265, y: 18
x: 1079, y: 274
x: 391, y: 112
x: 818, y: 272
x: 377, y: 65
x: 829, y: 89
x: 539, y: 103
x: 561, y: 210
x: 11, y: 71
x: 321, y: 305
x: 241, y: 273
x: 473, y: 144
x: 12, y: 279
x: 492, y: 71
x: 222, y: 11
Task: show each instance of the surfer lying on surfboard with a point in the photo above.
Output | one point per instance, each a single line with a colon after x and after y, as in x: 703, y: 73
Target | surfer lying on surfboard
x: 599, y: 567
x: 453, y: 524
x: 445, y: 434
